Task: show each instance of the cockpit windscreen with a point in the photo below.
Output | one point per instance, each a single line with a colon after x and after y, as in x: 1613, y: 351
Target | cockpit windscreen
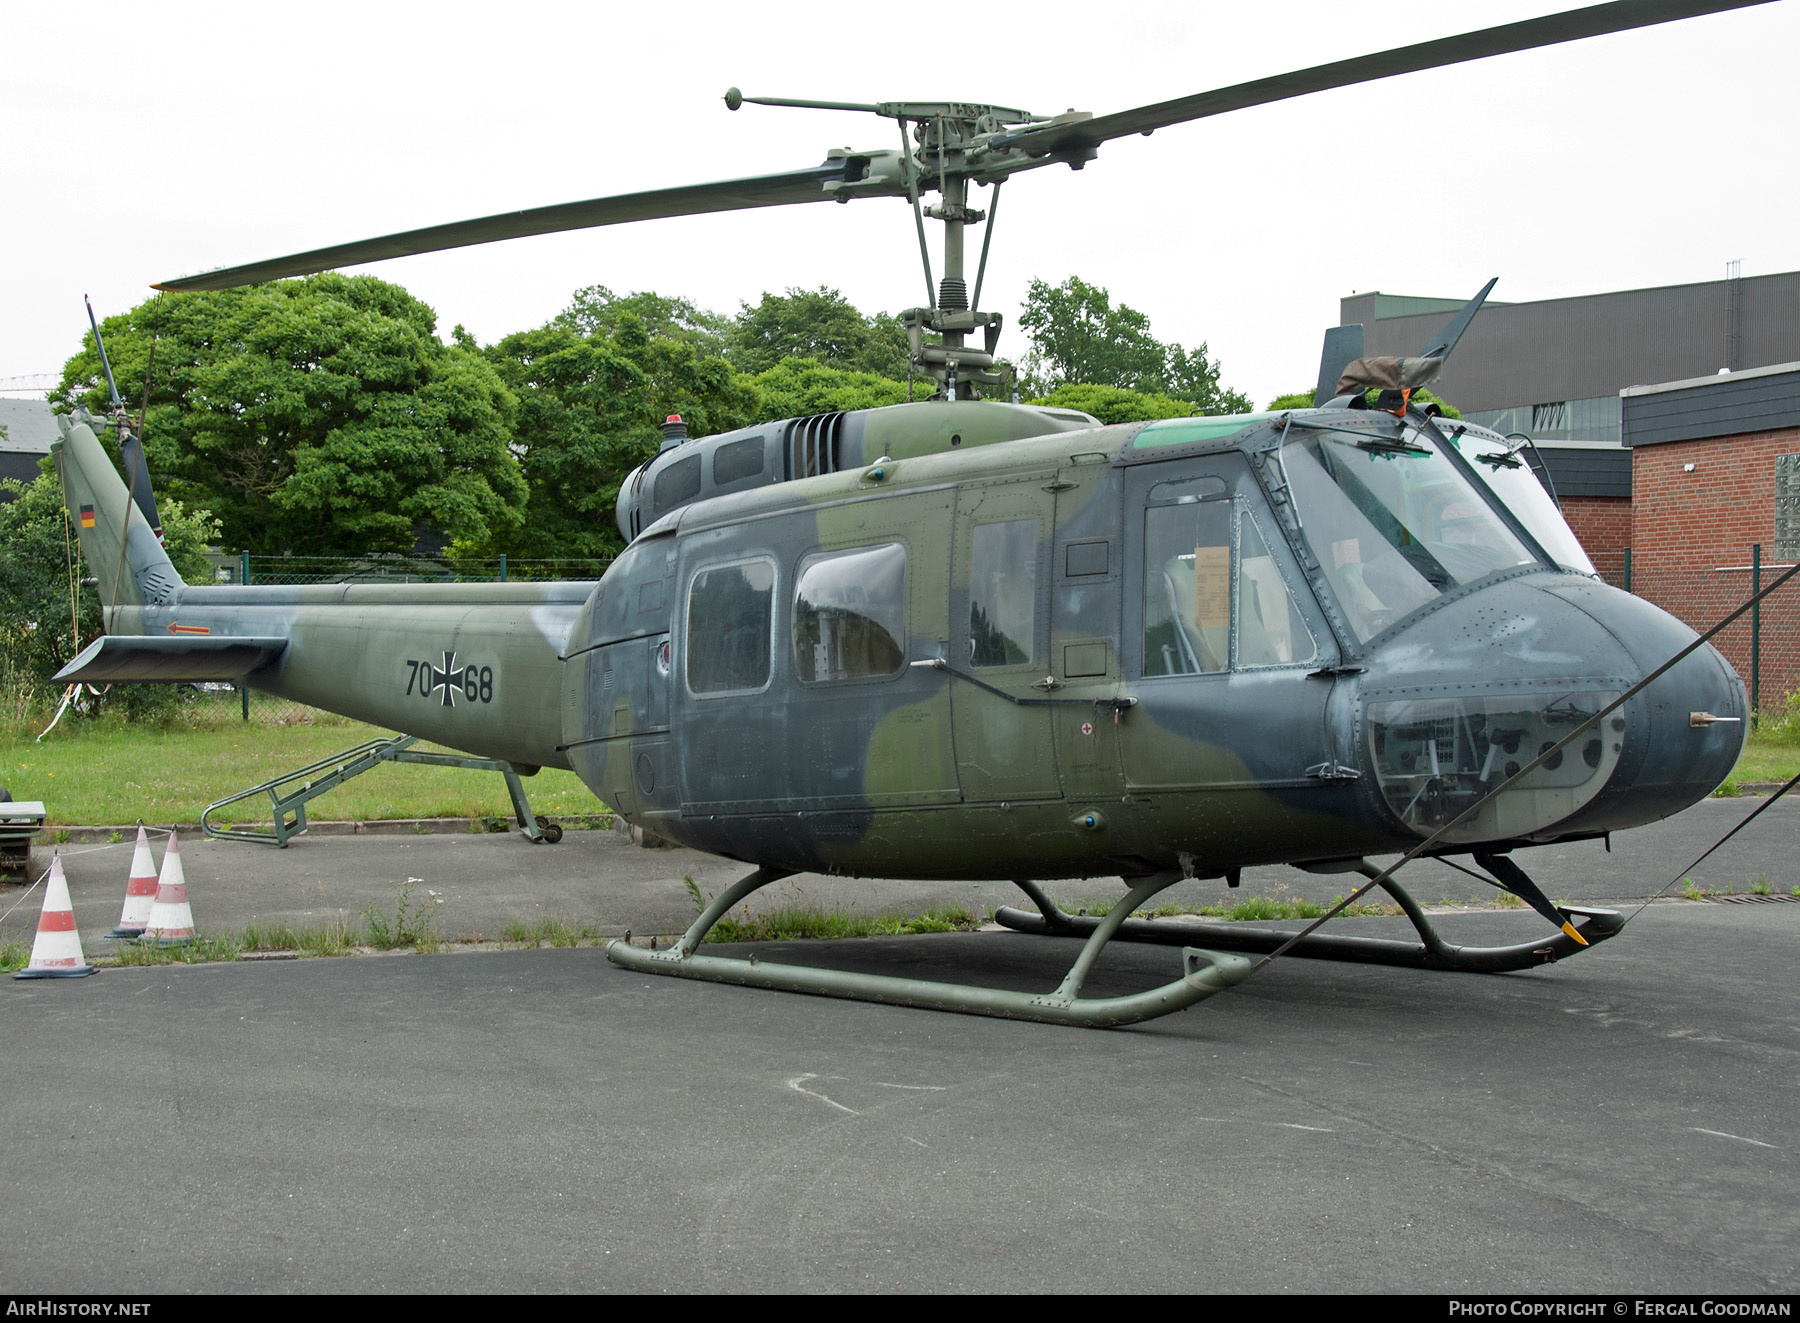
x: 1394, y: 522
x: 1501, y: 464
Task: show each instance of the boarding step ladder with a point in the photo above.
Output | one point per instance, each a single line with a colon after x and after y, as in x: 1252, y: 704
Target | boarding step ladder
x: 289, y: 809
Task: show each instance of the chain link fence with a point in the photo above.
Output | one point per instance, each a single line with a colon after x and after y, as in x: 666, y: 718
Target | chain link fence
x: 1764, y: 644
x: 254, y: 570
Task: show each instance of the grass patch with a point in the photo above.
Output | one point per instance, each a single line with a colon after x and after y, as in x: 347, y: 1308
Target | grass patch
x: 809, y: 922
x: 101, y: 771
x: 413, y: 923
x: 331, y: 939
x: 1772, y: 752
x: 204, y: 949
x: 13, y: 956
x: 549, y: 932
x: 1250, y: 909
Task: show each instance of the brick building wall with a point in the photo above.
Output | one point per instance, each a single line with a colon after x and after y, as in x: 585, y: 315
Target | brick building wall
x: 1691, y: 529
x: 1602, y: 524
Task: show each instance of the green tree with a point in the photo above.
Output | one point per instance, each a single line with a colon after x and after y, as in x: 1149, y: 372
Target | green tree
x: 703, y: 388
x: 588, y: 413
x: 1113, y: 404
x: 316, y: 416
x: 796, y: 387
x: 1079, y: 337
x: 583, y: 421
x: 1426, y: 397
x: 596, y: 308
x: 820, y: 324
x: 36, y: 639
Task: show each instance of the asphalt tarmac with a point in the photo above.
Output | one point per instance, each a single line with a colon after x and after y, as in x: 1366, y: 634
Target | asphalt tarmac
x: 600, y: 879
x: 544, y: 1121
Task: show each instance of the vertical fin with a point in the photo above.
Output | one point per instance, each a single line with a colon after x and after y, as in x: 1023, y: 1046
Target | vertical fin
x: 121, y: 548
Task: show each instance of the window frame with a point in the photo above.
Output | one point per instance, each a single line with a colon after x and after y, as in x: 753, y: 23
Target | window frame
x: 687, y: 631
x: 1239, y: 511
x: 820, y: 556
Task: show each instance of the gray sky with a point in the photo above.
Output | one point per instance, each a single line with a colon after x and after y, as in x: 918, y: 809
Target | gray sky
x: 154, y: 140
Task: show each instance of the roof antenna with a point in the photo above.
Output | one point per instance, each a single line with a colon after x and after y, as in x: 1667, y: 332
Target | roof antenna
x: 111, y: 385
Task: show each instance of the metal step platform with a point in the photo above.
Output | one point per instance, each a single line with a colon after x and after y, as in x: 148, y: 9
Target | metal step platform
x: 289, y: 810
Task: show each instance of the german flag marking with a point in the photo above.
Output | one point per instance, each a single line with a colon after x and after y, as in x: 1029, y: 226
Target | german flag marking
x: 87, y: 516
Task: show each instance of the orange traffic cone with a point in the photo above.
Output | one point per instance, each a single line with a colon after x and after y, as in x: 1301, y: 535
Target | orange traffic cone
x: 140, y: 890
x: 171, y: 920
x: 57, y: 951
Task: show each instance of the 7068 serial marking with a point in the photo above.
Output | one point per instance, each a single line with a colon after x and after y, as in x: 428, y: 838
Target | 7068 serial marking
x: 449, y: 680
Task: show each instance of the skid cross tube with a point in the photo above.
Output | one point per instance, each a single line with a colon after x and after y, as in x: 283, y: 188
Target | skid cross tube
x: 1430, y: 952
x: 289, y: 810
x: 1203, y: 972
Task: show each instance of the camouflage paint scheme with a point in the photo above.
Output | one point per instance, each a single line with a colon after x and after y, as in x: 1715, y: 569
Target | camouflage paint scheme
x: 1071, y: 762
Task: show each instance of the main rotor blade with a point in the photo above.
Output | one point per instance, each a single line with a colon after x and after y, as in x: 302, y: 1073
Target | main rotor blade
x: 1551, y: 30
x: 1445, y: 344
x: 689, y: 200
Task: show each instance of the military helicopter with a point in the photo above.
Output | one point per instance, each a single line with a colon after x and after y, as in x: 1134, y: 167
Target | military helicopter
x: 966, y: 638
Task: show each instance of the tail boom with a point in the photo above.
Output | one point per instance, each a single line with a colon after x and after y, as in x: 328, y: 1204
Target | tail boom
x: 477, y: 667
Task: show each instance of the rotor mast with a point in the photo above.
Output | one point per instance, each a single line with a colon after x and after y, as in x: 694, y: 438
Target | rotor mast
x: 946, y: 144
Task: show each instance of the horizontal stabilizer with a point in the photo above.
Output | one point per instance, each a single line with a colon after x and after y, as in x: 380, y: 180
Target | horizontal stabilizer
x: 127, y: 659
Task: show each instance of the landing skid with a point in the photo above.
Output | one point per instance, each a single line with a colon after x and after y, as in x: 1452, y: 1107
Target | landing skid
x: 1430, y: 952
x: 1203, y: 972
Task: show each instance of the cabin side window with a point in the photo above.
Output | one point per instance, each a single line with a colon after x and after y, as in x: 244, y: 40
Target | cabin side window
x: 737, y: 460
x: 1187, y: 587
x: 850, y: 614
x: 1271, y: 630
x: 729, y: 625
x: 1195, y: 588
x: 1003, y: 561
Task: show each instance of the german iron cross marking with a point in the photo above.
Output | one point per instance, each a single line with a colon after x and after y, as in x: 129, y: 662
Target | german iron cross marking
x: 449, y: 679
